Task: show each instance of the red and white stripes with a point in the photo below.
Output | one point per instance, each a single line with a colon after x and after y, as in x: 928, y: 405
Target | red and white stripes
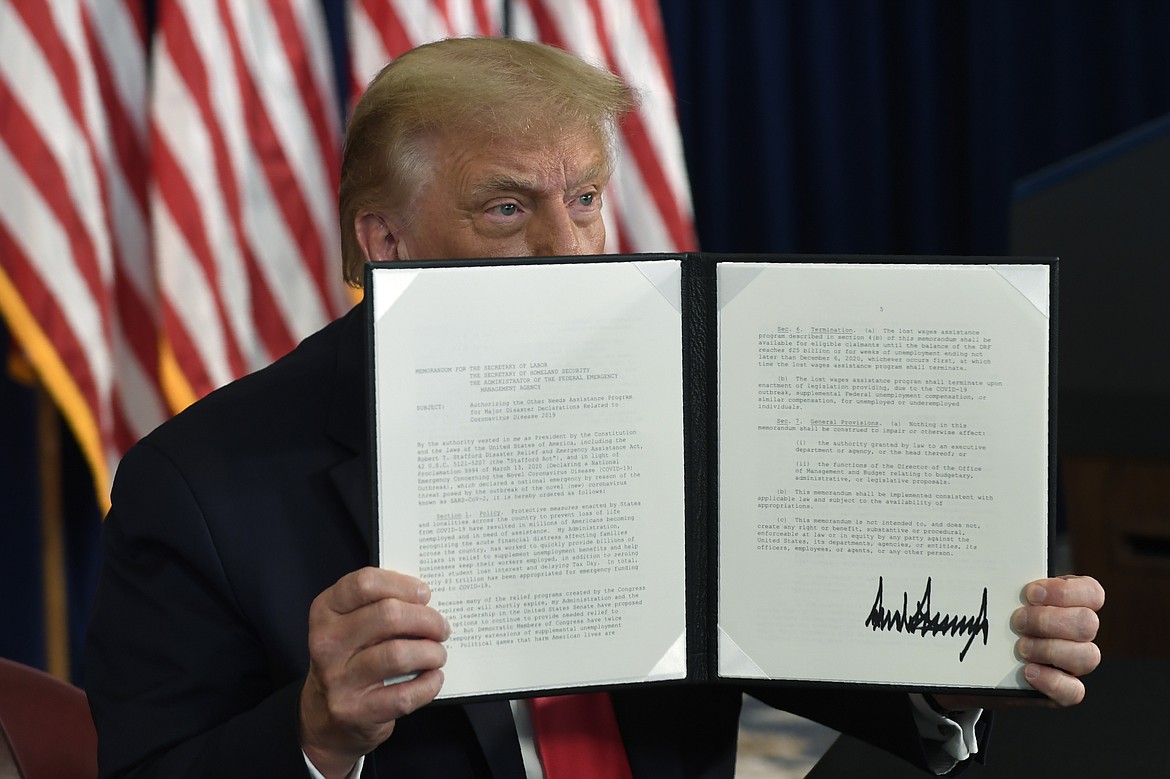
x: 380, y: 30
x: 244, y: 168
x: 76, y: 282
x: 168, y: 196
x: 160, y: 245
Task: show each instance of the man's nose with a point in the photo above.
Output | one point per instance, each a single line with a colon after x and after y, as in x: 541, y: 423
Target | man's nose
x: 555, y: 234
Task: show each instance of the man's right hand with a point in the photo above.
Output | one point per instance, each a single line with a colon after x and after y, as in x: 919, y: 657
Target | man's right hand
x: 371, y: 625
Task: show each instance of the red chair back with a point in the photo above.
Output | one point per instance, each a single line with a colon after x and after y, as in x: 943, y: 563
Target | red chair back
x: 50, y: 733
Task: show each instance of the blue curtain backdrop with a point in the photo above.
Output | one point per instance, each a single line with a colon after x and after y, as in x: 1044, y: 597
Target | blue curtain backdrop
x: 862, y: 126
x: 878, y: 126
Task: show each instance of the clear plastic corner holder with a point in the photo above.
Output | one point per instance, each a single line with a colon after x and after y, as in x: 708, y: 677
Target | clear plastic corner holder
x: 666, y: 277
x: 1032, y: 281
x: 389, y: 284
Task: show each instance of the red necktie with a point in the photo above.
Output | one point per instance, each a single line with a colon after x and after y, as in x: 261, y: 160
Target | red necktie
x: 577, y: 736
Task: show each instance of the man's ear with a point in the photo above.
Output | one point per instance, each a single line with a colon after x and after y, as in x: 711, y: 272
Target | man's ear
x: 379, y: 239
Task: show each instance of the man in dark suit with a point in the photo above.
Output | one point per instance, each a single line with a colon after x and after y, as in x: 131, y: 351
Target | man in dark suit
x: 238, y: 630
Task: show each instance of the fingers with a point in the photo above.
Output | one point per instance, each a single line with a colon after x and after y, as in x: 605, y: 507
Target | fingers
x: 1072, y: 623
x: 1066, y: 591
x: 1060, y: 687
x: 398, y: 700
x: 391, y: 618
x: 351, y: 653
x: 1057, y: 628
x: 1076, y: 658
x: 395, y: 658
x: 371, y: 625
x: 1061, y: 607
x: 369, y: 585
x: 374, y: 708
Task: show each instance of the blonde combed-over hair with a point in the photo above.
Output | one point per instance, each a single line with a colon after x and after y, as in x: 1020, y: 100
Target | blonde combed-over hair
x: 475, y: 88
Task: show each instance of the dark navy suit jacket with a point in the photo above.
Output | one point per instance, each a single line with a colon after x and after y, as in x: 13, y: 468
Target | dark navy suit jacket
x: 229, y: 519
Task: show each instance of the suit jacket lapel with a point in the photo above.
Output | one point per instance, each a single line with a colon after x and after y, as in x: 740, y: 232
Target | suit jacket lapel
x: 495, y: 729
x: 351, y: 478
x: 348, y: 424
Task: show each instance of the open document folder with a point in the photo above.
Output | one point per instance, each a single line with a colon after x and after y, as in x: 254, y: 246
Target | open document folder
x: 636, y: 469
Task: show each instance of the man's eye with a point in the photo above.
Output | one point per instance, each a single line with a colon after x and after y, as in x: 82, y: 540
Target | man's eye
x: 587, y: 199
x: 506, y: 209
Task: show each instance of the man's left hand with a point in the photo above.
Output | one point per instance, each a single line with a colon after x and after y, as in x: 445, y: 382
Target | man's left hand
x: 1057, y: 627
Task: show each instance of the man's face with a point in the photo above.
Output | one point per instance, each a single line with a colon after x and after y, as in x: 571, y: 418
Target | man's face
x: 517, y: 198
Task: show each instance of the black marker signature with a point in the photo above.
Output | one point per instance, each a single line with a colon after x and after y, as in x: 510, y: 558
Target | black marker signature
x: 922, y: 621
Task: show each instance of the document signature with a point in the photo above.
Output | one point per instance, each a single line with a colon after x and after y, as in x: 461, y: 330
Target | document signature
x: 924, y: 622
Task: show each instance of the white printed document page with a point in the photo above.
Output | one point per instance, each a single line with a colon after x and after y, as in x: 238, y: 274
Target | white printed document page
x: 530, y: 466
x: 884, y: 469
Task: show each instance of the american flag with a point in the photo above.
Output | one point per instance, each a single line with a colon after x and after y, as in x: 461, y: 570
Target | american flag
x: 244, y: 165
x: 168, y: 219
x: 77, y: 287
x: 380, y: 30
x: 168, y: 208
